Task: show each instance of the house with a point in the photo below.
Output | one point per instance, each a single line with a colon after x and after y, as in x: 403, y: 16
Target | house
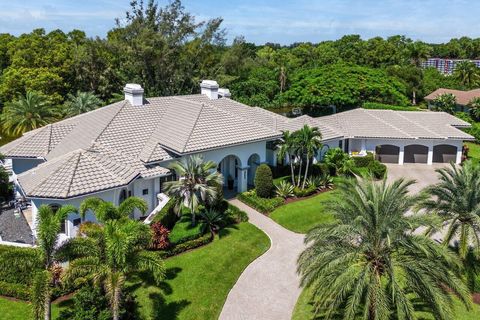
x: 463, y: 97
x: 124, y: 149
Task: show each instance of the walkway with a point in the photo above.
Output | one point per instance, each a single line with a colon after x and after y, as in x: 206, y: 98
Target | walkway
x: 269, y: 287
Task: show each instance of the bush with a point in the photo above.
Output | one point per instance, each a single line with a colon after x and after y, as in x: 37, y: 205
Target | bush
x: 284, y: 189
x: 235, y: 215
x: 378, y: 169
x: 167, y: 215
x: 17, y: 265
x: 364, y: 161
x: 89, y: 303
x: 188, y: 245
x: 263, y: 205
x: 160, y: 235
x: 183, y: 230
x: 305, y: 192
x: 264, y: 181
x: 15, y: 290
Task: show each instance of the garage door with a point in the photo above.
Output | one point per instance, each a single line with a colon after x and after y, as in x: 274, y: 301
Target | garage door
x: 444, y: 153
x: 416, y: 153
x: 387, y: 153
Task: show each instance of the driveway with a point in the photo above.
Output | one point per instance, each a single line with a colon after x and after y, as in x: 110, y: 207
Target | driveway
x: 424, y: 174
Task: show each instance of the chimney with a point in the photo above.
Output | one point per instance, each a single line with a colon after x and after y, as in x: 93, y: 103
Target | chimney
x: 134, y: 94
x: 224, y: 93
x: 210, y: 89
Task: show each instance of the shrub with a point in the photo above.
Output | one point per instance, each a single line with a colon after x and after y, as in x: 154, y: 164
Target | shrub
x: 88, y: 303
x: 15, y: 290
x: 284, y: 189
x: 264, y: 181
x: 335, y: 159
x: 167, y: 215
x: 364, y: 161
x: 326, y: 181
x: 263, y: 205
x: 305, y: 192
x: 235, y: 215
x: 160, y: 234
x: 183, y: 230
x: 17, y: 265
x: 188, y: 245
x: 378, y: 169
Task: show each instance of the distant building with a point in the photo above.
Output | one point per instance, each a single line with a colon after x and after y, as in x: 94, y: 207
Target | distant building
x: 445, y: 66
x: 463, y: 97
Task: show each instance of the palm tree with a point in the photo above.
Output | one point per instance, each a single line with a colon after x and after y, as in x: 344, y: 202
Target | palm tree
x: 310, y: 141
x: 418, y: 52
x: 287, y: 148
x: 81, y: 102
x: 467, y: 73
x: 370, y: 264
x: 212, y: 220
x: 107, y: 254
x: 48, y: 227
x: 105, y: 210
x: 474, y: 106
x: 456, y: 199
x: 27, y: 113
x: 198, y: 183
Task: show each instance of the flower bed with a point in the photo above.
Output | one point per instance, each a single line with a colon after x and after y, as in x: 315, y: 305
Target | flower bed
x: 263, y: 205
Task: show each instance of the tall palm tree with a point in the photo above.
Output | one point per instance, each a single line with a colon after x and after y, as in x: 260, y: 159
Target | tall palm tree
x: 81, y: 102
x: 418, y: 52
x: 107, y: 254
x: 27, y: 113
x: 456, y: 199
x: 369, y: 263
x: 48, y: 227
x: 467, y: 73
x: 474, y: 106
x: 105, y: 210
x: 310, y: 141
x: 198, y: 183
x: 287, y: 148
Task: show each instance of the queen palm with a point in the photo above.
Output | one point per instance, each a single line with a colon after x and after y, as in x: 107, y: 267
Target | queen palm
x: 27, y: 113
x: 81, y: 102
x: 198, y: 183
x: 105, y: 210
x: 107, y: 254
x: 310, y: 142
x: 49, y: 225
x: 467, y: 73
x: 287, y: 148
x: 456, y: 199
x: 369, y: 264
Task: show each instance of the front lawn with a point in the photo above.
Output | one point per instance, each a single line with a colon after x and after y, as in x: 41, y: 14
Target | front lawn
x: 301, y: 216
x: 20, y: 310
x: 473, y: 151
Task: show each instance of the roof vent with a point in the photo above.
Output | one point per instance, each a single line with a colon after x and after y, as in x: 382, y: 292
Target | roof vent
x: 134, y: 94
x: 224, y: 93
x: 210, y: 89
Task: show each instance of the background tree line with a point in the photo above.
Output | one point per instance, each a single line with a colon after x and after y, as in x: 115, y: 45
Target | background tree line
x: 169, y: 51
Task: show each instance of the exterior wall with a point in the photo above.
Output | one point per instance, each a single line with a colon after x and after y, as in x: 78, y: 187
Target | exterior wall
x: 22, y: 165
x: 330, y: 144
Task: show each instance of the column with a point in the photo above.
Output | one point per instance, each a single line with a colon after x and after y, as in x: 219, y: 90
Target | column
x: 430, y: 155
x: 401, y: 155
x: 363, y: 148
x: 242, y: 182
x: 458, y: 159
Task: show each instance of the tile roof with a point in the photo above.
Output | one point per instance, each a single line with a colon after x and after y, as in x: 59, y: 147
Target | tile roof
x: 463, y: 97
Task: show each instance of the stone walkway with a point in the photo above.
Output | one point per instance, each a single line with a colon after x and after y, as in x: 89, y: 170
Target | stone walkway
x: 269, y: 287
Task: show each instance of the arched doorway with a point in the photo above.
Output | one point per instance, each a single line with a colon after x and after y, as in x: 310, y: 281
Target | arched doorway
x: 444, y: 153
x: 253, y: 163
x: 416, y: 153
x: 229, y: 168
x: 387, y: 153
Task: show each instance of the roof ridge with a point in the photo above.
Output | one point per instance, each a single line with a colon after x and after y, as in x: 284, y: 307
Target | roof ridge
x: 110, y: 121
x: 384, y: 122
x: 193, y: 127
x: 73, y: 174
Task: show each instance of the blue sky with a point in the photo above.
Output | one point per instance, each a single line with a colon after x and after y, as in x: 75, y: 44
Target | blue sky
x: 261, y: 21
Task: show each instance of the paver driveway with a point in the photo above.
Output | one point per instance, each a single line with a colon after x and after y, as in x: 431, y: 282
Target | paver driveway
x: 269, y: 286
x: 425, y: 175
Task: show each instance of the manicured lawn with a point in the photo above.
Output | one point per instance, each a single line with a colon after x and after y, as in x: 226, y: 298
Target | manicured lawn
x: 198, y: 282
x: 303, y: 215
x: 19, y: 310
x: 474, y: 150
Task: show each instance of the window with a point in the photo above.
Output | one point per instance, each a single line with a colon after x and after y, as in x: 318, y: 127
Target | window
x: 76, y: 222
x: 63, y: 227
x: 340, y: 144
x: 145, y: 192
x: 236, y: 170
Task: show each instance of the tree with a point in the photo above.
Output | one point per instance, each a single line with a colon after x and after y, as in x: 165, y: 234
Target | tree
x: 105, y: 210
x: 309, y: 140
x: 108, y: 253
x: 197, y: 184
x: 212, y: 220
x: 474, y: 106
x: 418, y: 52
x: 48, y: 227
x: 370, y: 264
x: 456, y: 199
x: 27, y: 113
x: 263, y: 181
x: 445, y: 102
x: 467, y: 73
x: 82, y: 102
x: 287, y: 148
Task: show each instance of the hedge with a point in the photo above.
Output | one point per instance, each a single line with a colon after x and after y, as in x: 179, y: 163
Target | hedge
x: 167, y: 216
x: 15, y: 290
x: 235, y: 215
x: 189, y: 245
x: 263, y: 205
x: 17, y: 265
x: 378, y: 169
x: 364, y: 161
x: 183, y: 230
x: 264, y: 181
x: 300, y: 193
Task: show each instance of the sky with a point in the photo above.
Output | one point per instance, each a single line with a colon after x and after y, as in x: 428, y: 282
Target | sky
x: 260, y: 21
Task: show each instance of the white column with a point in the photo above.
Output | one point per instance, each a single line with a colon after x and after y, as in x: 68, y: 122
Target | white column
x: 401, y: 155
x: 274, y: 158
x: 242, y: 183
x: 430, y: 155
x: 458, y: 159
x: 363, y: 148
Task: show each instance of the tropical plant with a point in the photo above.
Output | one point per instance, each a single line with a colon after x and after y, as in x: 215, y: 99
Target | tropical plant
x: 326, y: 181
x: 309, y: 140
x: 467, y: 73
x: 160, y: 234
x: 284, y: 189
x: 338, y: 161
x: 474, y: 106
x: 456, y: 199
x: 445, y: 102
x: 287, y: 148
x: 369, y: 264
x: 418, y: 52
x: 105, y: 210
x: 263, y: 181
x: 81, y: 102
x: 212, y: 220
x: 197, y: 185
x: 27, y: 113
x: 107, y: 254
x: 49, y: 224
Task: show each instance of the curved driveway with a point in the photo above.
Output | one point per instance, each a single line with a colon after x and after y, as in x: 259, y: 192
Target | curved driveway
x: 269, y: 287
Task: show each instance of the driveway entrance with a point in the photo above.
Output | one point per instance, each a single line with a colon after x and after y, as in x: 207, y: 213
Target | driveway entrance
x: 424, y: 174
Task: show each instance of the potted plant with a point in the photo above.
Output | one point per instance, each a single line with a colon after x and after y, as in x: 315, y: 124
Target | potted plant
x: 230, y: 182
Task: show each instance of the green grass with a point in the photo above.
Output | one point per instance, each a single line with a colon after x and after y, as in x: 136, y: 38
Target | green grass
x: 474, y: 151
x: 198, y: 281
x: 304, y: 310
x: 20, y: 310
x: 301, y: 216
x: 183, y: 230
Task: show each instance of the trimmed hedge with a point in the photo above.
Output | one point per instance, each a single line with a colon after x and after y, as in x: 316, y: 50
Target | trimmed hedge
x: 189, y: 245
x: 183, y: 231
x: 18, y: 265
x: 264, y: 181
x: 15, y: 290
x: 378, y: 169
x: 364, y: 161
x: 263, y: 205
